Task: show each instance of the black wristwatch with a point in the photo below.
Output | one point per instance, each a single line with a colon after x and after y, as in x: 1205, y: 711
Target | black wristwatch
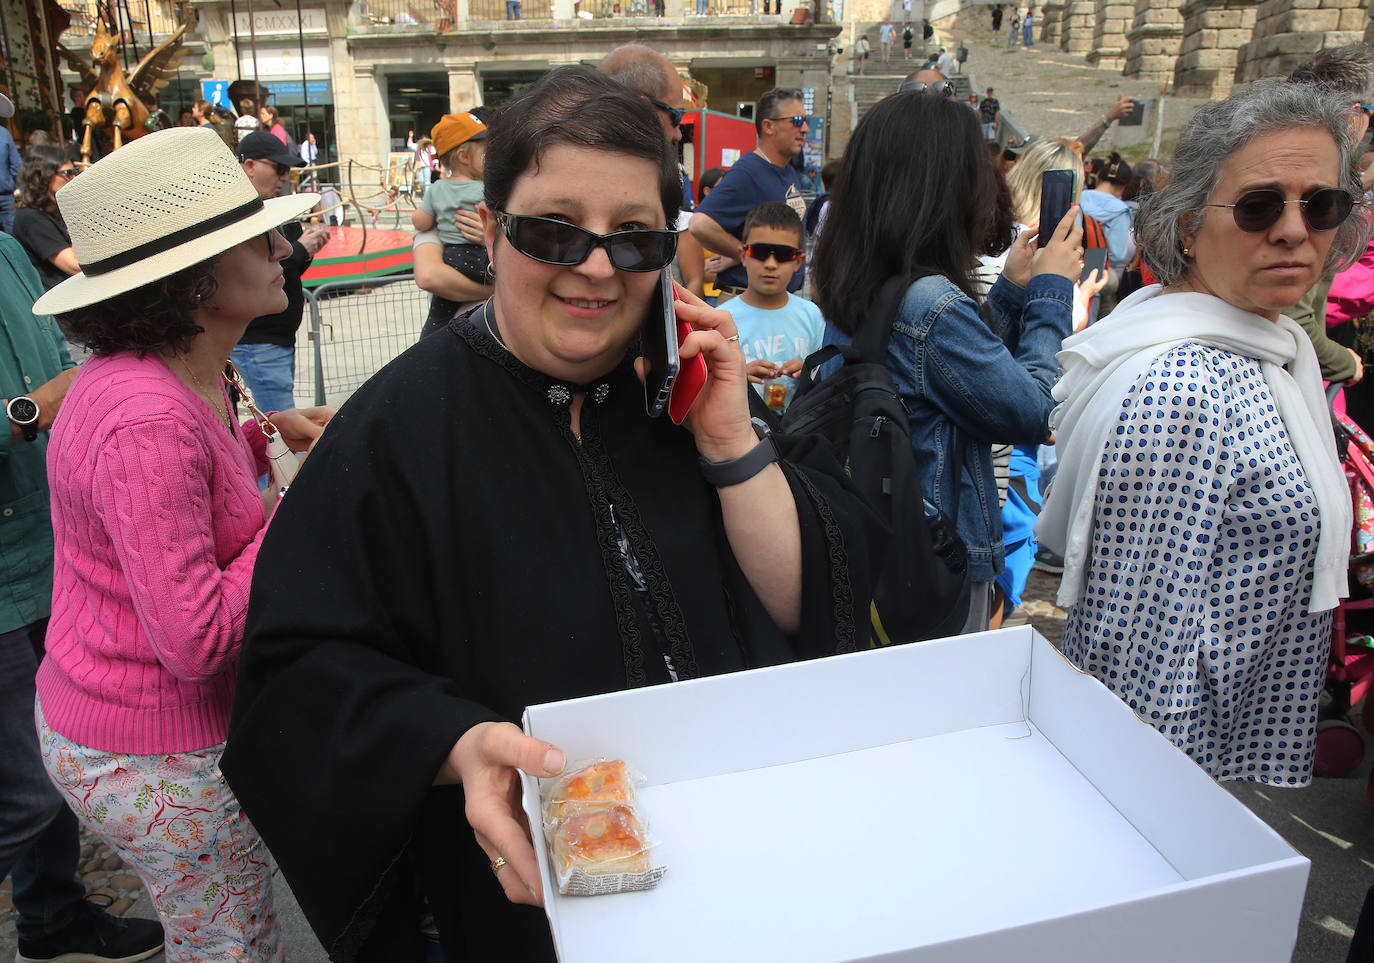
x: 23, y: 413
x: 733, y: 471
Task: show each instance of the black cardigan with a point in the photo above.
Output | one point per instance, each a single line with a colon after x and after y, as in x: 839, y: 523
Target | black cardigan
x: 447, y: 557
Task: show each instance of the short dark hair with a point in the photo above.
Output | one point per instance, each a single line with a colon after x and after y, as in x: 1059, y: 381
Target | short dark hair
x: 577, y: 107
x: 710, y: 178
x: 774, y: 214
x: 158, y: 316
x: 828, y: 173
x: 770, y: 100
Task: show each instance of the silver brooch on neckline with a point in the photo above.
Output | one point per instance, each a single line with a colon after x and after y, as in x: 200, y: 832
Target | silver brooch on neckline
x: 559, y: 395
x: 601, y: 392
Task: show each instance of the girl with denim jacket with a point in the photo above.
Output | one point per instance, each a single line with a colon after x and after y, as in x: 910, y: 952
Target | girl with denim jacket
x: 917, y: 196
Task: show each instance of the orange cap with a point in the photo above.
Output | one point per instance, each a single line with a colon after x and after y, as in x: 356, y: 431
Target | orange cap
x: 454, y: 130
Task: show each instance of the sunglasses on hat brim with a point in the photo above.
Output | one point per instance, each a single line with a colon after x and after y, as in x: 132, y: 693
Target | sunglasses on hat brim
x: 549, y: 241
x: 1322, y: 210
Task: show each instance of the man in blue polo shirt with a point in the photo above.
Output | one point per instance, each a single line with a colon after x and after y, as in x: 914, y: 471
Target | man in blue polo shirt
x: 761, y: 175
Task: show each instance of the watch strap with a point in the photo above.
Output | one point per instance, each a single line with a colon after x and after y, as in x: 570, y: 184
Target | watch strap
x: 733, y: 471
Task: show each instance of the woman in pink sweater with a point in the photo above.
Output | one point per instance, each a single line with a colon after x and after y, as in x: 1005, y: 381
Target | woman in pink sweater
x: 157, y: 519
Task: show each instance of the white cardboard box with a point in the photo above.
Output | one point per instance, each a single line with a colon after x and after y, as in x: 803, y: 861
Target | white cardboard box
x: 967, y: 800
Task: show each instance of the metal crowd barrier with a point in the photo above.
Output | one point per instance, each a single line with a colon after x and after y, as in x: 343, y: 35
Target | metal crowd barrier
x: 356, y: 328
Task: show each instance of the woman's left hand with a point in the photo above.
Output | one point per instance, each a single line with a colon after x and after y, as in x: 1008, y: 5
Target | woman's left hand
x: 301, y: 427
x: 719, y: 419
x: 1083, y: 294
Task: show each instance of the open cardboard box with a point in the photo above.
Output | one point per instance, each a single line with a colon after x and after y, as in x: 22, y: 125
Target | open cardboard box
x: 965, y: 800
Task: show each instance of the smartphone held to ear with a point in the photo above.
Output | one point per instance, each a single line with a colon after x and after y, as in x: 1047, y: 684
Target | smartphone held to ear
x: 1057, y: 188
x: 669, y: 383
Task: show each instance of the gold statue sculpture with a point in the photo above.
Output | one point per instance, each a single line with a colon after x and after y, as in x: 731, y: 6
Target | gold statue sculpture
x: 117, y: 105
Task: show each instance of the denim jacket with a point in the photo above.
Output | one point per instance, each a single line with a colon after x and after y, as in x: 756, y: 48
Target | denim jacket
x: 993, y: 383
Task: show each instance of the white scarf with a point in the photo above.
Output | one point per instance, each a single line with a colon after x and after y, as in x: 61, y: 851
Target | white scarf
x: 1104, y: 361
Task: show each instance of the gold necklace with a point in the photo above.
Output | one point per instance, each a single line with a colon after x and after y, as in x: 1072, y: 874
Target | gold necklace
x: 221, y: 409
x: 486, y: 319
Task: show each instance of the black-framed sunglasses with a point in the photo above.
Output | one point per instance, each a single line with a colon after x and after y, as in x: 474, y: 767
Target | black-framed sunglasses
x: 557, y: 242
x: 1258, y: 210
x: 675, y: 114
x: 66, y: 173
x: 798, y: 120
x: 762, y: 252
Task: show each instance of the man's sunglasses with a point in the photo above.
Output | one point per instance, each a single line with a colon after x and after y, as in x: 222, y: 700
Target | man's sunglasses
x: 1258, y: 210
x: 762, y: 252
x: 674, y: 114
x: 558, y: 242
x: 797, y: 120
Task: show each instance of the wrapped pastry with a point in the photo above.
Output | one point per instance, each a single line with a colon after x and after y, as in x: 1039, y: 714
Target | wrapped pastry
x: 596, y: 833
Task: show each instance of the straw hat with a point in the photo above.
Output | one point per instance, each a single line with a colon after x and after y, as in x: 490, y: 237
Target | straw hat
x: 157, y: 205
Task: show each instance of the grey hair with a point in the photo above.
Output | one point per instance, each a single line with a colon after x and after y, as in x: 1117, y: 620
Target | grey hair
x: 640, y: 68
x: 1219, y: 129
x: 1348, y: 70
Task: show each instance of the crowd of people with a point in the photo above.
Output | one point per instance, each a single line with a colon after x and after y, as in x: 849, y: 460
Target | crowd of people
x: 202, y: 668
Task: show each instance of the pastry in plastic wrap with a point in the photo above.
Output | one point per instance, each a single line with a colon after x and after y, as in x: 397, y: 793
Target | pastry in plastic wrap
x: 596, y: 833
x: 597, y: 786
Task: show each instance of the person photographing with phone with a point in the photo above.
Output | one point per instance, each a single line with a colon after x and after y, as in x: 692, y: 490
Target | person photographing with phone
x: 515, y: 530
x: 917, y: 199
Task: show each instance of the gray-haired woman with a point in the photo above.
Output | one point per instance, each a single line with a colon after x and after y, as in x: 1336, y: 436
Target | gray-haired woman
x: 1199, y: 506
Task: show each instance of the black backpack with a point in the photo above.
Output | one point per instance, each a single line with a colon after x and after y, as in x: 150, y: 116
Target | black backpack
x: 922, y: 589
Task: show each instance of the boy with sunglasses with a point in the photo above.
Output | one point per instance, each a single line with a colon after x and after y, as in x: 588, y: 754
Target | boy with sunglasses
x: 777, y: 329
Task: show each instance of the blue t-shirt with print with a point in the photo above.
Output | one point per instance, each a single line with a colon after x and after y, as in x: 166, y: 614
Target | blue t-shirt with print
x: 778, y: 335
x: 751, y: 181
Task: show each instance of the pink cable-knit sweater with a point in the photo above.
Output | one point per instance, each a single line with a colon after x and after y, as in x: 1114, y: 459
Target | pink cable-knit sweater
x: 157, y: 521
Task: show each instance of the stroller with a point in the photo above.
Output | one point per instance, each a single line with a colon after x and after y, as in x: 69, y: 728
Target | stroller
x: 1340, y: 748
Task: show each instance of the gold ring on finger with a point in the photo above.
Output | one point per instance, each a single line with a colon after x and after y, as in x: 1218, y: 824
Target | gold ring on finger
x: 497, y: 863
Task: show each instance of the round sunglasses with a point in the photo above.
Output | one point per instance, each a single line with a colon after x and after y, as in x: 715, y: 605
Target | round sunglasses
x: 1258, y: 210
x: 549, y: 241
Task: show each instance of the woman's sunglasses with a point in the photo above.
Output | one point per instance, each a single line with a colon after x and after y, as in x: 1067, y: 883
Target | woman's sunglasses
x: 762, y: 252
x: 66, y: 173
x: 1258, y: 210
x: 557, y: 242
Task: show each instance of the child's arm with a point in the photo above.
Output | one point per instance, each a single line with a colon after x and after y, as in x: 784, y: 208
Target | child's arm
x: 421, y: 220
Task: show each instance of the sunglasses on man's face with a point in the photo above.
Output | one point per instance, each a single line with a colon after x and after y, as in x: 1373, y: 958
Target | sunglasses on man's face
x: 674, y: 114
x: 1258, y: 210
x: 549, y: 241
x: 797, y: 120
x: 762, y: 252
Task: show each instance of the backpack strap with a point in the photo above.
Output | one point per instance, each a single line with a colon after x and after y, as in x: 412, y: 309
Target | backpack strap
x: 872, y: 337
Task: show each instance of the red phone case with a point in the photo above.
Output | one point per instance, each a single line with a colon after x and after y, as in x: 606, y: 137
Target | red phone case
x: 691, y: 378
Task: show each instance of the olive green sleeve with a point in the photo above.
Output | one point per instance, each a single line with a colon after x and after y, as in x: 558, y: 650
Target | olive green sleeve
x: 1337, y: 363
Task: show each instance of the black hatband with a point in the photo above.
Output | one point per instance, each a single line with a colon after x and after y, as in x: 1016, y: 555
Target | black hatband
x: 161, y: 245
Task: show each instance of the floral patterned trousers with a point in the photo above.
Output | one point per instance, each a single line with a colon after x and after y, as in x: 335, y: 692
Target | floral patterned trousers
x: 175, y: 822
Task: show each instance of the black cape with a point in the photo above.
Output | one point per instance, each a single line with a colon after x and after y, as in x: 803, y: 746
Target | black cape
x: 447, y: 557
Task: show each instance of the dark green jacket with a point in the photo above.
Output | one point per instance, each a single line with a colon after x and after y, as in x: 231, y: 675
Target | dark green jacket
x: 1337, y: 362
x: 32, y: 353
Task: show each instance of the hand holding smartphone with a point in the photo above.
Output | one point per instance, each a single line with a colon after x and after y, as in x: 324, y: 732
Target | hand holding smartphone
x: 668, y: 383
x: 1057, y: 189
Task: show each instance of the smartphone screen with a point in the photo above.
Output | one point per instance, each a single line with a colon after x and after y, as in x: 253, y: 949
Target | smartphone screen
x: 1094, y: 258
x: 660, y: 346
x: 1056, y: 196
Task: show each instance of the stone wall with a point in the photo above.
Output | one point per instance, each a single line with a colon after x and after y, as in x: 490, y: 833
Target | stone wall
x: 1052, y: 22
x: 1213, y: 33
x: 1079, y: 23
x: 1109, y: 34
x: 1287, y: 32
x: 1154, y: 40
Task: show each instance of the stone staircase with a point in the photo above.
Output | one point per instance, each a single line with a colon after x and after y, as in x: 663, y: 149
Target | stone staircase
x: 882, y: 79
